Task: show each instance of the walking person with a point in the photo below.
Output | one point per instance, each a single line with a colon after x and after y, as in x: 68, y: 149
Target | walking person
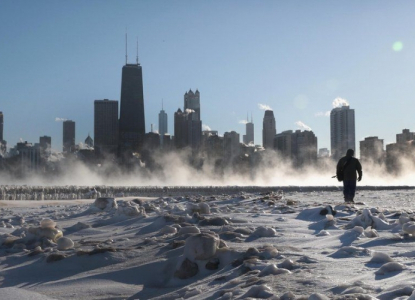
x: 347, y: 167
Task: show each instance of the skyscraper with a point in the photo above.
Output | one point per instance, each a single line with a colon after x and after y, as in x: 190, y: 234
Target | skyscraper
x: 106, y: 126
x: 192, y: 101
x: 162, y: 124
x: 132, y: 122
x: 371, y: 149
x: 68, y: 136
x: 187, y: 130
x: 342, y: 131
x: 268, y: 130
x: 249, y: 136
x: 1, y: 126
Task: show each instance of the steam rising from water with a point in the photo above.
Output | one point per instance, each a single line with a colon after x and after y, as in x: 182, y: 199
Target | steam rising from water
x: 206, y: 127
x: 264, y: 106
x: 60, y: 119
x: 243, y: 122
x: 173, y: 169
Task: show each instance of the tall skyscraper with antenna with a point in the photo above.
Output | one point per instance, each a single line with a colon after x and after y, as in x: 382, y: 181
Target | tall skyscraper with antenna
x: 249, y: 136
x: 132, y: 120
x: 162, y: 123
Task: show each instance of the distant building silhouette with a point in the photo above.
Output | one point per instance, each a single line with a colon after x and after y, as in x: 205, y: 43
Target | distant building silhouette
x: 268, y: 130
x: 405, y: 136
x: 187, y: 130
x: 298, y: 146
x: 89, y: 141
x: 371, y: 150
x: 3, y: 144
x: 132, y: 119
x: 106, y: 126
x: 162, y: 125
x: 401, y: 154
x: 68, y: 136
x: 45, y: 144
x: 249, y: 136
x: 1, y: 126
x: 323, y: 152
x: 231, y: 146
x: 192, y: 101
x: 342, y: 131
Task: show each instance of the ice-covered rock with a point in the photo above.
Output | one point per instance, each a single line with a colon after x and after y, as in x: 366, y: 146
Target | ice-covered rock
x: 104, y: 204
x: 318, y: 296
x: 409, y: 227
x: 264, y: 232
x: 201, y: 246
x: 47, y: 223
x: 131, y: 211
x: 65, y: 243
x: 51, y: 233
x: 189, y: 229
x: 168, y: 230
x: 259, y: 291
x: 187, y: 269
x: 273, y: 270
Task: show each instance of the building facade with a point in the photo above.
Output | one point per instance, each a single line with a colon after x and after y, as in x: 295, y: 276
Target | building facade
x: 132, y: 120
x: 248, y: 138
x: 106, y: 126
x: 68, y: 136
x: 269, y: 130
x: 163, y: 129
x: 342, y: 131
x: 405, y: 136
x: 192, y: 101
x: 371, y: 149
x: 1, y: 126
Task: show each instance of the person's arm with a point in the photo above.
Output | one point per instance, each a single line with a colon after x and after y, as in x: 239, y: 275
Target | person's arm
x: 359, y: 170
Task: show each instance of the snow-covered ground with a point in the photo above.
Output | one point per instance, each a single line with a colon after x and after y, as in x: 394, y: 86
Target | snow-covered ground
x: 275, y: 245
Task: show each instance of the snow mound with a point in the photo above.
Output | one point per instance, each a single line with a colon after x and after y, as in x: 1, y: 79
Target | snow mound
x: 130, y: 209
x: 367, y: 219
x: 409, y: 228
x: 390, y: 267
x: 168, y: 230
x: 273, y: 270
x: 259, y: 291
x: 380, y: 257
x: 347, y: 251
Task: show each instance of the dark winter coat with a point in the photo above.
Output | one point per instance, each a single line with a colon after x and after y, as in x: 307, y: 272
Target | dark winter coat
x: 351, y: 168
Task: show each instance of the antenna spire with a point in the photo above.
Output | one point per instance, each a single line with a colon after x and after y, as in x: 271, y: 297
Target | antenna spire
x: 126, y: 56
x: 136, y: 58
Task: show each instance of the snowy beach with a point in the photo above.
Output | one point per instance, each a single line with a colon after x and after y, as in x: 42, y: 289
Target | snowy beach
x: 276, y: 244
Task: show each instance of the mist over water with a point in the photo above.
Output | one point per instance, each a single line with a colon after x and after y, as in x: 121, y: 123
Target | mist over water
x: 174, y: 169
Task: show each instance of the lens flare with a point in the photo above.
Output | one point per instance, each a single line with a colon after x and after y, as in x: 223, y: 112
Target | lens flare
x: 397, y: 46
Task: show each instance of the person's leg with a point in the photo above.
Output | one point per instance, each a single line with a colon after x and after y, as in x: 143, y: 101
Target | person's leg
x: 352, y: 189
x: 348, y: 190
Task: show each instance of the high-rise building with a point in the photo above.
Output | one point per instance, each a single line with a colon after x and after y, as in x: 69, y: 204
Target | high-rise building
x: 299, y: 146
x: 249, y: 136
x: 106, y: 126
x: 187, y: 130
x: 68, y: 136
x: 162, y: 124
x: 192, y: 101
x: 1, y: 126
x: 132, y: 121
x: 405, y: 136
x: 45, y: 143
x: 231, y: 146
x: 342, y: 131
x: 269, y: 130
x: 371, y: 149
x: 89, y: 141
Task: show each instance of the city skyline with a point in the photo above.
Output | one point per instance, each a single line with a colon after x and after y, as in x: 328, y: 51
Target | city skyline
x: 364, y: 58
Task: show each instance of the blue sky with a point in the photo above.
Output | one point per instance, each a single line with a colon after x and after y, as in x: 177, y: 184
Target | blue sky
x: 57, y: 57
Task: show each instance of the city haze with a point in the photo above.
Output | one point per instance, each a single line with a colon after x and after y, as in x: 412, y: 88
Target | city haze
x: 57, y: 58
